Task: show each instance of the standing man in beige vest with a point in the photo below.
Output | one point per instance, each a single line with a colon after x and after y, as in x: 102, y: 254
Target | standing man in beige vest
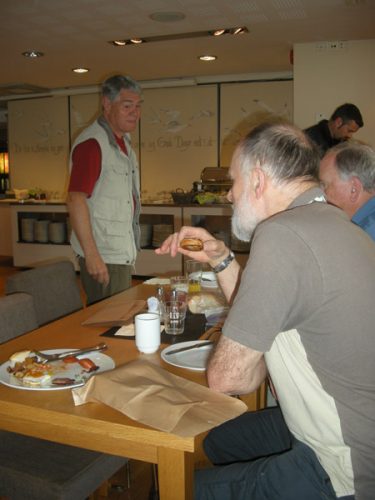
x: 103, y: 194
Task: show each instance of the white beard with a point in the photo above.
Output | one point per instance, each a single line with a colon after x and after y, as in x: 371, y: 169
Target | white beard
x: 244, y: 219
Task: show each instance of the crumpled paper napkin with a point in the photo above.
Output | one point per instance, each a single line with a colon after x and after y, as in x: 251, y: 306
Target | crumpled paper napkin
x: 155, y: 397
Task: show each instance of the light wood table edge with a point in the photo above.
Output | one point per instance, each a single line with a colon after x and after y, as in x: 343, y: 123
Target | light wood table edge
x: 101, y: 436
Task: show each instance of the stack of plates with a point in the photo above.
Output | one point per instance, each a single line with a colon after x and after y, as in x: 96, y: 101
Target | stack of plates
x: 57, y: 232
x: 160, y: 233
x: 27, y: 229
x: 41, y: 231
x: 146, y: 235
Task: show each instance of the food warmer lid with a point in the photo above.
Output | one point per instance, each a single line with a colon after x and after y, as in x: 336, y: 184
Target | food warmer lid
x: 216, y: 175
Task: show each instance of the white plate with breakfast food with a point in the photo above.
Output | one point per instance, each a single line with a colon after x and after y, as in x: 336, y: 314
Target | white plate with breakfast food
x: 24, y: 370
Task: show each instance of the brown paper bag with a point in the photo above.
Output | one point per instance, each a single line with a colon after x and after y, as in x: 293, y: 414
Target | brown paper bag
x: 155, y: 397
x: 117, y: 314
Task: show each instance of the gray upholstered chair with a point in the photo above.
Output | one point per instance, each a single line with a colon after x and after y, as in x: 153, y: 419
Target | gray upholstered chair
x: 36, y: 469
x: 17, y: 315
x: 53, y: 287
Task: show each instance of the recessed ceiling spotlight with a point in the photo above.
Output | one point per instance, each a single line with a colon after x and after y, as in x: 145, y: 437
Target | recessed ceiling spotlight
x: 118, y: 43
x: 239, y: 31
x: 80, y: 70
x: 33, y: 54
x: 136, y: 40
x: 207, y: 58
x: 219, y: 32
x: 167, y: 17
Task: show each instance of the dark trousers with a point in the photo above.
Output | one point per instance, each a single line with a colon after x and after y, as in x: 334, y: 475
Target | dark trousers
x: 256, y: 457
x: 120, y: 278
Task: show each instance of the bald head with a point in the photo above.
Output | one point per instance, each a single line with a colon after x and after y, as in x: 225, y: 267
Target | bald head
x: 282, y: 150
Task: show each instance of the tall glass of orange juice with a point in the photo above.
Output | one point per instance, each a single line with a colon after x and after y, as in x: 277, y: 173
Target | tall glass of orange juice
x: 193, y: 270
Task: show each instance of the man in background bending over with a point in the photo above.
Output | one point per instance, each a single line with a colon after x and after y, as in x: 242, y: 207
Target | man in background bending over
x: 347, y: 175
x: 103, y: 194
x: 301, y: 311
x: 345, y: 121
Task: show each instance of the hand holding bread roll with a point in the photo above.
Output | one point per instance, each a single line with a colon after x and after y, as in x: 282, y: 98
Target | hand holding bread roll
x: 214, y: 253
x: 194, y: 242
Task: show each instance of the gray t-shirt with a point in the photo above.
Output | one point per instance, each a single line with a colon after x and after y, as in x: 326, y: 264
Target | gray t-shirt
x: 306, y: 300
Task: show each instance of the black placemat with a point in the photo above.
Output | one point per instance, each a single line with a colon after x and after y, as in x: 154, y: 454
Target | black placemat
x: 195, y: 325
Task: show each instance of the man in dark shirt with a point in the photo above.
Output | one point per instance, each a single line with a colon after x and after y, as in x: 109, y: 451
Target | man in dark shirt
x: 344, y: 122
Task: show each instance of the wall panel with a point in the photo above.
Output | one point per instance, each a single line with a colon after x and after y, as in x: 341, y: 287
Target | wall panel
x: 39, y: 144
x: 178, y: 137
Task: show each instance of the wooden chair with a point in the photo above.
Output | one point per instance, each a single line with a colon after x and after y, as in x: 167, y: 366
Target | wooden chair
x: 54, y: 289
x: 34, y: 468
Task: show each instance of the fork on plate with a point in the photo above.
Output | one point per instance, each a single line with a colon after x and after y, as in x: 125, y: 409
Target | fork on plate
x: 54, y: 357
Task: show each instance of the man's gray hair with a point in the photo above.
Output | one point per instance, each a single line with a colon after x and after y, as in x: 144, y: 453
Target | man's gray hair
x: 113, y: 86
x: 355, y: 160
x: 282, y: 151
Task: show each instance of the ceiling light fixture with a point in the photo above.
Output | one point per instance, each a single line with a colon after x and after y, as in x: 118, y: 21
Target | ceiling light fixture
x: 219, y: 32
x: 33, y: 54
x: 207, y: 58
x: 80, y: 70
x: 239, y: 31
x: 118, y: 43
x: 179, y: 36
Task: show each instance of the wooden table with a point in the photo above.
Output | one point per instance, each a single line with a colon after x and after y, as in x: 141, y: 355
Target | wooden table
x: 52, y: 415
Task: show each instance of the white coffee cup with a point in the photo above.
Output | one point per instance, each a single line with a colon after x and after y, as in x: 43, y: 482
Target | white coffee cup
x: 147, y: 332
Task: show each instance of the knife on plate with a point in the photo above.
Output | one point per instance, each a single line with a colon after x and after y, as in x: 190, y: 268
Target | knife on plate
x: 190, y: 347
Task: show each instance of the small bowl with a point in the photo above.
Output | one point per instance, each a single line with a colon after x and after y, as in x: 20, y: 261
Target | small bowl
x: 180, y: 197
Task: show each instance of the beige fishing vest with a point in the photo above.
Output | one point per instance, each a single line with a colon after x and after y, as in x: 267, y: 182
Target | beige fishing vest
x: 113, y: 211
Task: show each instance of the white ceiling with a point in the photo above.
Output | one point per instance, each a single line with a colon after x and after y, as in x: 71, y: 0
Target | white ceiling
x: 76, y: 33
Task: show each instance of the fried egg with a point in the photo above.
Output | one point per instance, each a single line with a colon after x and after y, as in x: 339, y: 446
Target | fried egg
x: 36, y: 379
x: 18, y: 357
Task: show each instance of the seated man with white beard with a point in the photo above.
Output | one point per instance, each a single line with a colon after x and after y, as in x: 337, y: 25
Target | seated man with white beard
x: 301, y: 312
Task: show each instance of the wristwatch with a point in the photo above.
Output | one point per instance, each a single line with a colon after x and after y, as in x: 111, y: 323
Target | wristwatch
x: 224, y: 263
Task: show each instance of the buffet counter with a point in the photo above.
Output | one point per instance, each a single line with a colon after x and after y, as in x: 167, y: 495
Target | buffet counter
x: 39, y: 230
x: 13, y: 201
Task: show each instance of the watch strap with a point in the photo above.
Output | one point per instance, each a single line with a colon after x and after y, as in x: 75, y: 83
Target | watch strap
x: 224, y: 263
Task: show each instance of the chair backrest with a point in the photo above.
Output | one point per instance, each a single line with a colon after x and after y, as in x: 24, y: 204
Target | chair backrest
x: 53, y: 287
x: 17, y: 315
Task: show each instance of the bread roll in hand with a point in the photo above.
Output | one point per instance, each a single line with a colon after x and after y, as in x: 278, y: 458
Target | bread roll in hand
x: 192, y: 244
